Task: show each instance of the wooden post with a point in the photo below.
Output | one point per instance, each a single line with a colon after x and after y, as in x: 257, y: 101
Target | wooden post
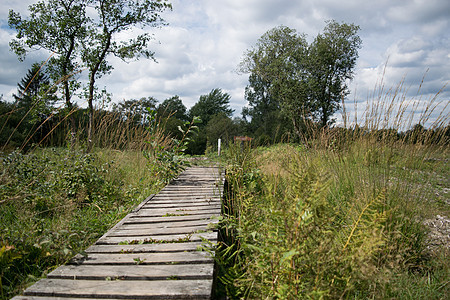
x: 219, y: 141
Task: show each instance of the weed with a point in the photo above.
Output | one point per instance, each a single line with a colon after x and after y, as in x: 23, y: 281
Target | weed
x: 185, y: 239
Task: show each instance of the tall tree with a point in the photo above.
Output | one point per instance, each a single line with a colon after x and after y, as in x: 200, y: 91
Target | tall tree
x: 264, y: 110
x: 58, y: 26
x: 135, y: 110
x: 173, y: 106
x: 278, y: 59
x: 33, y: 105
x: 331, y: 61
x: 307, y: 80
x: 216, y: 102
x: 35, y: 95
x: 172, y: 115
x: 114, y: 17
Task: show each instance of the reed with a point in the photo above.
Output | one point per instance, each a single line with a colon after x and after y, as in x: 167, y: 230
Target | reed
x: 343, y: 216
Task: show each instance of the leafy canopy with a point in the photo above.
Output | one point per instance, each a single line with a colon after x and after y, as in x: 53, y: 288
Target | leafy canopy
x: 214, y: 103
x: 308, y: 80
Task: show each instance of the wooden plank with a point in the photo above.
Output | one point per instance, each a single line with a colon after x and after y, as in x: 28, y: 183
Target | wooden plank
x: 182, y: 206
x: 123, y: 289
x: 188, y: 197
x: 176, y: 213
x: 187, y: 192
x: 196, y: 237
x: 148, y: 248
x: 139, y: 272
x: 185, y: 202
x: 197, y: 257
x: 53, y: 298
x: 201, y: 222
x: 138, y: 219
x: 159, y: 231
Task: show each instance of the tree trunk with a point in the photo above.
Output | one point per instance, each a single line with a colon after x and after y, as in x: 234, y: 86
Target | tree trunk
x: 73, y: 126
x: 94, y: 71
x: 91, y: 113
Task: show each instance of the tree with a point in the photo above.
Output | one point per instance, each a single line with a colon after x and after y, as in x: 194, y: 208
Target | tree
x: 172, y: 115
x: 307, y: 80
x: 278, y: 59
x: 173, y: 106
x: 136, y: 110
x: 33, y: 105
x: 35, y: 95
x: 221, y: 127
x: 64, y: 27
x: 114, y: 17
x: 58, y: 26
x: 263, y: 110
x: 331, y: 60
x: 216, y: 102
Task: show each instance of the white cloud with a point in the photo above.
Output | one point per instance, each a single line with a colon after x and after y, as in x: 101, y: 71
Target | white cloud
x: 204, y: 43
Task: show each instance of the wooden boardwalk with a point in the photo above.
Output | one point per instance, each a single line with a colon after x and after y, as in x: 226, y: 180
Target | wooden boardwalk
x: 153, y: 253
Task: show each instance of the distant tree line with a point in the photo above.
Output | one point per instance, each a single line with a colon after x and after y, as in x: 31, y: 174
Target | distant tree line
x: 38, y: 116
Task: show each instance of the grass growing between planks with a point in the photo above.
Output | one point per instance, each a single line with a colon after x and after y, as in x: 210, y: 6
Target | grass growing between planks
x: 335, y: 222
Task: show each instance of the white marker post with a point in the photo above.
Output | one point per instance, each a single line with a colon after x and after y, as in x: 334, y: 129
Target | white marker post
x: 219, y: 141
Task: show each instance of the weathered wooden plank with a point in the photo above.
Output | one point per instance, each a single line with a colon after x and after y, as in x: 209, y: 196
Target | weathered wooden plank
x: 188, y: 197
x: 148, y: 248
x: 196, y: 237
x: 159, y: 225
x: 192, y: 191
x: 168, y: 210
x: 197, y: 257
x: 174, y: 212
x: 197, y: 204
x: 138, y: 219
x: 53, y: 298
x: 197, y: 189
x: 159, y: 231
x: 184, y: 202
x: 123, y: 289
x: 139, y: 272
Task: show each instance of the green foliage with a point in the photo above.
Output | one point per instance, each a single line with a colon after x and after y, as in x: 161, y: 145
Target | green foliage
x: 223, y: 127
x: 331, y: 60
x: 60, y: 28
x: 307, y: 81
x: 265, y: 112
x: 174, y: 108
x: 172, y: 114
x: 135, y: 111
x: 214, y: 103
x: 323, y: 223
x: 165, y: 159
x: 26, y: 121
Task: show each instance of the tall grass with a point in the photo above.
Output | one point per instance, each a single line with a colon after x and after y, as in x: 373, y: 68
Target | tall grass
x: 342, y: 218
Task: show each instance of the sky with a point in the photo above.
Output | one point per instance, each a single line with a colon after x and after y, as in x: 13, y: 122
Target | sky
x: 404, y: 42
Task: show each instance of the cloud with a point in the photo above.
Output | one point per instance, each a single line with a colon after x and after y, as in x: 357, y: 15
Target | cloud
x: 205, y: 41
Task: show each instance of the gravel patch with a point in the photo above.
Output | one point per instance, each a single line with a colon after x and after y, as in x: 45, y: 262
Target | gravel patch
x: 439, y: 235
